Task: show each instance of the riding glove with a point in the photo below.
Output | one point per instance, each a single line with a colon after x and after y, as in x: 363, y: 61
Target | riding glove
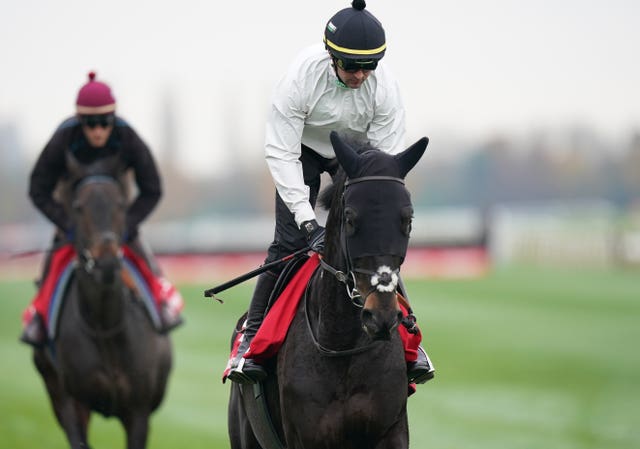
x: 130, y: 234
x: 314, y: 234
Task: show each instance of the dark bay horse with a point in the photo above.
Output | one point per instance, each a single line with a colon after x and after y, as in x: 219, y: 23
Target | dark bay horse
x: 106, y: 356
x: 340, y: 380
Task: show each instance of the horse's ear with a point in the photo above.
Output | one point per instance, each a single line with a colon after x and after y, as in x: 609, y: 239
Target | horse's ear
x: 347, y: 156
x: 410, y: 157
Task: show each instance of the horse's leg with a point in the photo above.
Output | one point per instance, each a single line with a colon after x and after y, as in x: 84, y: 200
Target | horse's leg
x: 136, y: 425
x: 72, y: 416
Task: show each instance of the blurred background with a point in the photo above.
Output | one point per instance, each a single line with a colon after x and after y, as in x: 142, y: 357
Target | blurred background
x: 533, y: 112
x: 525, y: 248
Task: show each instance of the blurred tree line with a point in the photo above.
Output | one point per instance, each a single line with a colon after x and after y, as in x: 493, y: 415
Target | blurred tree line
x: 569, y: 165
x: 573, y: 166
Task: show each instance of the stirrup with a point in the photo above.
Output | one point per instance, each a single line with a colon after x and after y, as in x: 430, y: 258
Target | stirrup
x: 419, y: 374
x: 422, y: 369
x: 34, y: 332
x: 169, y: 319
x: 247, y: 372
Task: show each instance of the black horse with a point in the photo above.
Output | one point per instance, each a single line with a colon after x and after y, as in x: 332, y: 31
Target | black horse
x: 340, y: 379
x: 106, y: 356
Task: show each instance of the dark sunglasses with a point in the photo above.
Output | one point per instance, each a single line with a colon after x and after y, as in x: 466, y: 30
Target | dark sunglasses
x: 93, y: 120
x: 355, y: 65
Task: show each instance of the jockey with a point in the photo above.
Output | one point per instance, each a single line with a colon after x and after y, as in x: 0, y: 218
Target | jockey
x: 339, y: 86
x: 96, y: 133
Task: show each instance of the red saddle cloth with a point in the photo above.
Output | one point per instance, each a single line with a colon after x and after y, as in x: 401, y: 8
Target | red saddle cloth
x: 158, y: 288
x: 59, y: 261
x: 274, y: 328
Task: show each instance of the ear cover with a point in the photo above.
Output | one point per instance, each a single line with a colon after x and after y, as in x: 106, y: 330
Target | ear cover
x: 410, y: 157
x: 347, y: 156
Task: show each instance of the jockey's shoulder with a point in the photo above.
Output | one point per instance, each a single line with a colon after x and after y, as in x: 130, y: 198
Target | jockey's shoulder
x: 68, y: 123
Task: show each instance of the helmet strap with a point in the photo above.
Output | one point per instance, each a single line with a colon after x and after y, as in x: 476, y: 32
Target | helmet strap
x: 339, y: 82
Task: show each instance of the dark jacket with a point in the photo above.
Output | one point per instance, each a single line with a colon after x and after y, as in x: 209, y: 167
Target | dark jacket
x: 51, y: 168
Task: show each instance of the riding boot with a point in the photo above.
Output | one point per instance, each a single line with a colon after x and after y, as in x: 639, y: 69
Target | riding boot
x: 34, y: 332
x: 422, y: 369
x: 171, y: 304
x: 248, y: 370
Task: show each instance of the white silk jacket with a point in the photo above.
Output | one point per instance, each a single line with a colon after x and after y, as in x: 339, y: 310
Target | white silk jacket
x: 309, y: 103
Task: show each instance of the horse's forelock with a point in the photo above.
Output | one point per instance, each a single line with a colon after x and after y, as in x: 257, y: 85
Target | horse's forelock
x: 377, y: 163
x: 373, y: 163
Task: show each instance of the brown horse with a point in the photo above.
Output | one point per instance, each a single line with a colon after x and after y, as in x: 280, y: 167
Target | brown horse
x: 340, y: 379
x: 106, y: 356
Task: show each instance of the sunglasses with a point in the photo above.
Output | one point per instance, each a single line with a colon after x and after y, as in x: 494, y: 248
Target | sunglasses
x: 353, y: 66
x: 93, y: 120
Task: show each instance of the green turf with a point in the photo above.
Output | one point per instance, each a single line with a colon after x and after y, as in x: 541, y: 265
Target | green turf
x: 526, y: 359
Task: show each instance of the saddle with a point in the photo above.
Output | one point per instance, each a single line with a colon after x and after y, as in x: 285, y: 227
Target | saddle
x: 61, y: 273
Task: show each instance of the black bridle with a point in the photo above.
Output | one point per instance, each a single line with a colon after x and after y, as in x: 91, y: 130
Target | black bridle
x: 348, y: 277
x: 86, y: 259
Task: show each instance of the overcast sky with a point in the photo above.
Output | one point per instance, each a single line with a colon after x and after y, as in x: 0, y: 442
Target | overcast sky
x: 467, y: 68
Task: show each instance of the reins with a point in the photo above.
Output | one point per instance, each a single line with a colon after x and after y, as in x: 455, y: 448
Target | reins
x: 348, y: 278
x: 322, y: 349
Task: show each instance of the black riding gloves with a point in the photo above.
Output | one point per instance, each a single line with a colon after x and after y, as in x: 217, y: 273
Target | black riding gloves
x: 314, y: 234
x: 130, y: 234
x: 70, y: 234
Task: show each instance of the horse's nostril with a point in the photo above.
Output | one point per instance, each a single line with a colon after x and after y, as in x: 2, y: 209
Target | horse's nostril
x: 400, y: 316
x: 367, y: 315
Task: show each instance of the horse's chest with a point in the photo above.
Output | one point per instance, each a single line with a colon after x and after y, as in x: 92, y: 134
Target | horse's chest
x: 97, y: 377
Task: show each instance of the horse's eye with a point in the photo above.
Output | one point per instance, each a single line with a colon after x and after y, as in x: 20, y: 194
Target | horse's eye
x: 406, y: 219
x: 350, y: 217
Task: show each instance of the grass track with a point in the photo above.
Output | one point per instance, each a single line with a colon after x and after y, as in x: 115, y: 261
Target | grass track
x: 525, y: 359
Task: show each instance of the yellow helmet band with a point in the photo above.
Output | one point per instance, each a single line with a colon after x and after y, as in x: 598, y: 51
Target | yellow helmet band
x: 353, y: 51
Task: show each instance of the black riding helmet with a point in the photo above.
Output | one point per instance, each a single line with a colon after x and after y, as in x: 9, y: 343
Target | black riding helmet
x: 355, y: 38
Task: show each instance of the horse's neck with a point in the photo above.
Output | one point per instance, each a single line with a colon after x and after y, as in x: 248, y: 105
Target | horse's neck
x: 338, y: 323
x: 100, y: 305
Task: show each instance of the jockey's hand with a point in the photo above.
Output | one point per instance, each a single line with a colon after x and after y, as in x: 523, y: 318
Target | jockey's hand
x: 70, y: 234
x: 314, y: 234
x: 130, y: 234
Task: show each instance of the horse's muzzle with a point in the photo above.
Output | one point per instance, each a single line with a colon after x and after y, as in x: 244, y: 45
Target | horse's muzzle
x: 380, y: 318
x: 106, y: 259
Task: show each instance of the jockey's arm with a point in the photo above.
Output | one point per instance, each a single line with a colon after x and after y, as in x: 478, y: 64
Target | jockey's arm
x: 387, y: 129
x: 47, y: 171
x: 148, y: 182
x: 283, y: 136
